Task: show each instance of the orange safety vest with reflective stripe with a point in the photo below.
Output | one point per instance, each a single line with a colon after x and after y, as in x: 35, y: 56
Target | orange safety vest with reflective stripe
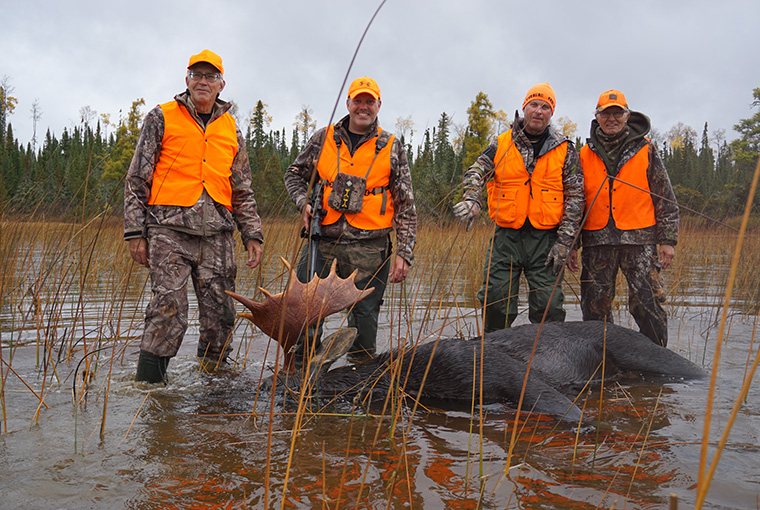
x: 514, y: 195
x: 631, y: 208
x: 193, y: 159
x: 377, y: 208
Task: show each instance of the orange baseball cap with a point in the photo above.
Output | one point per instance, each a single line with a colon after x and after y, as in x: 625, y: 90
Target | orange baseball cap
x: 543, y: 92
x: 364, y: 84
x: 209, y: 57
x: 611, y: 98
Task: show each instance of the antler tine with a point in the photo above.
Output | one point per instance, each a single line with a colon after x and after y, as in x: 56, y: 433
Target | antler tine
x: 287, y: 264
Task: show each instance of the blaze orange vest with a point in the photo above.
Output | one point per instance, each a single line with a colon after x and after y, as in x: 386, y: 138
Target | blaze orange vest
x: 192, y: 159
x: 514, y: 195
x: 377, y: 209
x: 631, y: 208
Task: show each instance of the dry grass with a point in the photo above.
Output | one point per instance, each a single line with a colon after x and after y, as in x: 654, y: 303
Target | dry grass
x: 705, y: 252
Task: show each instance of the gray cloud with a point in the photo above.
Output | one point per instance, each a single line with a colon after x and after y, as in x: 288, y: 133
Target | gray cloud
x: 692, y: 62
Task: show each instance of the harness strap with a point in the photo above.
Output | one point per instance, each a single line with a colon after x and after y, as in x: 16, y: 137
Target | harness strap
x: 380, y: 143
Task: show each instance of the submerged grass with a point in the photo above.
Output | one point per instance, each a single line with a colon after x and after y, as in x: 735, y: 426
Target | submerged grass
x: 72, y: 291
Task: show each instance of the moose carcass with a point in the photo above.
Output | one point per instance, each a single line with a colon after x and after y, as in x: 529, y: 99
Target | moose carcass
x: 557, y: 356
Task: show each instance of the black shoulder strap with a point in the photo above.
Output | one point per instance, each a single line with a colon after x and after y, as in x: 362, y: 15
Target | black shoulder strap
x: 382, y: 141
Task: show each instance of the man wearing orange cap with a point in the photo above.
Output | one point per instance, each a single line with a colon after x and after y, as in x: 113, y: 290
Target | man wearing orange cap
x: 535, y: 197
x: 188, y: 186
x: 367, y: 193
x: 632, y: 221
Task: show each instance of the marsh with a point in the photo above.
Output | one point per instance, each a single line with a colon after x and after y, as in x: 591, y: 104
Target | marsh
x: 71, y: 303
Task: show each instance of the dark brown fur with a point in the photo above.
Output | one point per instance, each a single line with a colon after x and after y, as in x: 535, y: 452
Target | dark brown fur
x: 567, y: 354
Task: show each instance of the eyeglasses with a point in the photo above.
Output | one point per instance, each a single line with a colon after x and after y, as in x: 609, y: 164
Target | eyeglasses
x: 606, y: 114
x: 210, y: 77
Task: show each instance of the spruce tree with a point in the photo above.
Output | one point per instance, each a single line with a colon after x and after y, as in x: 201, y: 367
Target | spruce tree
x: 479, y: 121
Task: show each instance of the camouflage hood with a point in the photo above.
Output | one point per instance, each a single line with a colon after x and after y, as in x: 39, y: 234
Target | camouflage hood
x: 634, y: 134
x: 638, y: 127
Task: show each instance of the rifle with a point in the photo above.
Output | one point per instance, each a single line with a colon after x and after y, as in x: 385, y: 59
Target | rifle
x: 315, y: 228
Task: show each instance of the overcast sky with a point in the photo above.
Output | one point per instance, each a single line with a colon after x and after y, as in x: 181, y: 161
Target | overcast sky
x: 688, y: 61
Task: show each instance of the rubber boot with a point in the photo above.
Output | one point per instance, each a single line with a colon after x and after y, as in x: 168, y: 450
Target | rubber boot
x: 495, y: 319
x: 151, y: 368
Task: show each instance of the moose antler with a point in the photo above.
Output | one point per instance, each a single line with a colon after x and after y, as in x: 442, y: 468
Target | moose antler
x: 285, y: 316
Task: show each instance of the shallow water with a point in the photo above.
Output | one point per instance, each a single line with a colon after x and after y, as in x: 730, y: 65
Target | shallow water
x: 206, y: 441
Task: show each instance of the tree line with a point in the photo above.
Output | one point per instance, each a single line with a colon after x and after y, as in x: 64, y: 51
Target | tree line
x: 80, y: 173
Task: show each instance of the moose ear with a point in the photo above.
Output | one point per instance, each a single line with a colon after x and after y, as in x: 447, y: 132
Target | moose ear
x: 336, y: 345
x: 332, y: 348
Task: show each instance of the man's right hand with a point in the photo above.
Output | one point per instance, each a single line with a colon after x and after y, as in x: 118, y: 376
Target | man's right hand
x: 138, y: 250
x: 306, y: 216
x: 466, y: 210
x: 572, y: 261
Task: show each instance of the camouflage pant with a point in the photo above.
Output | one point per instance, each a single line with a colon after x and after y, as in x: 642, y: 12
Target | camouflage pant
x: 371, y: 258
x: 645, y: 292
x: 516, y: 251
x: 210, y: 262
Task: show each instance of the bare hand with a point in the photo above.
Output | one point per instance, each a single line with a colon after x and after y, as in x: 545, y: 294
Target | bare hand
x: 400, y: 270
x: 138, y: 250
x: 254, y: 250
x: 306, y: 217
x: 572, y: 261
x: 665, y: 254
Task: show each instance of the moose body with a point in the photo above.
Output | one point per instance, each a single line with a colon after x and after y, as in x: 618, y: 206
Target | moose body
x: 449, y: 370
x: 567, y: 354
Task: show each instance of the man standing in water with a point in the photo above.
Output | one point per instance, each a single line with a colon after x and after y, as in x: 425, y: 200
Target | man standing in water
x: 536, y: 200
x: 367, y: 192
x: 632, y: 222
x: 187, y: 187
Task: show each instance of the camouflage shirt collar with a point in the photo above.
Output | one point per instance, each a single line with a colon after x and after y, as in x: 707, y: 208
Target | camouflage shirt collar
x: 342, y: 127
x: 220, y: 106
x: 521, y: 140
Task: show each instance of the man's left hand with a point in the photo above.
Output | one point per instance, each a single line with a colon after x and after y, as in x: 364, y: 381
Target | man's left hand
x: 557, y: 256
x: 254, y: 250
x: 400, y: 270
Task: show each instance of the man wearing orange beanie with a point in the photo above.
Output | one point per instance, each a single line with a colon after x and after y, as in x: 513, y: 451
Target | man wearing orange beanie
x: 535, y: 197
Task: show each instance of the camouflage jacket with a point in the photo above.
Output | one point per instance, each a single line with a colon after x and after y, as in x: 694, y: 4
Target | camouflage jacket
x: 206, y: 217
x: 484, y: 168
x: 665, y: 230
x: 299, y: 174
